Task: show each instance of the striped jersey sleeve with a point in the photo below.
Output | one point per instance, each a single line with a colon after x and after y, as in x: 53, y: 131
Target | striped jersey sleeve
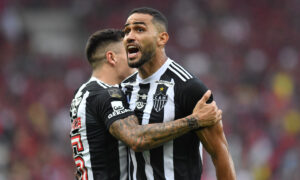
x: 97, y: 154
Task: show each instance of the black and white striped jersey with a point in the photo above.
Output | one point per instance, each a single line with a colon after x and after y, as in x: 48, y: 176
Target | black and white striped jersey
x: 170, y: 93
x: 97, y: 154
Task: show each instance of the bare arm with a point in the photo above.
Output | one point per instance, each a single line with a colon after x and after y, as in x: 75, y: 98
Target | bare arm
x: 143, y: 137
x: 214, y: 141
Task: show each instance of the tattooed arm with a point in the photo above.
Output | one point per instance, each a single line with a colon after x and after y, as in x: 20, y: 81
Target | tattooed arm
x: 143, y: 137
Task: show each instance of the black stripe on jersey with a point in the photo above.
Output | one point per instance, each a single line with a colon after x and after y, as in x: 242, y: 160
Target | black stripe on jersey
x: 128, y: 92
x: 157, y: 154
x: 180, y: 67
x: 127, y: 87
x: 187, y: 164
x: 111, y: 154
x: 139, y: 112
x: 141, y: 101
x: 130, y: 165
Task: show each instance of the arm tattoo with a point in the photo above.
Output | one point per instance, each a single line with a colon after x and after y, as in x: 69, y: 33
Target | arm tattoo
x: 192, y: 122
x: 144, y: 137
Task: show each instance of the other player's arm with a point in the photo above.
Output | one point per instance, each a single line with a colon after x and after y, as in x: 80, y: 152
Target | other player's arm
x: 215, y: 143
x: 143, y: 137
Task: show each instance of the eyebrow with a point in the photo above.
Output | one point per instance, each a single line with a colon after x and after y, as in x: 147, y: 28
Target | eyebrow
x: 138, y: 22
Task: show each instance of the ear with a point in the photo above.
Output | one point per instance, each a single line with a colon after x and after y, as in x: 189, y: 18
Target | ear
x: 163, y: 38
x: 111, y: 58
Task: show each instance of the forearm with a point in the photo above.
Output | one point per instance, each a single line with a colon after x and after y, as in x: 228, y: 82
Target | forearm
x: 224, y: 165
x: 215, y: 143
x: 144, y: 137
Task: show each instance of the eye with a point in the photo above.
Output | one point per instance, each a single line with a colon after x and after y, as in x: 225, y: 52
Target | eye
x: 140, y: 29
x: 126, y: 31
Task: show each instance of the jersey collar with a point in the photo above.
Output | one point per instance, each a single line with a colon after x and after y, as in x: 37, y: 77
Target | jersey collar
x: 157, y: 74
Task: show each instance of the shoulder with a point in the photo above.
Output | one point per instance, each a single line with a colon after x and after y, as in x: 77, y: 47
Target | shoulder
x: 94, y: 90
x: 179, y: 73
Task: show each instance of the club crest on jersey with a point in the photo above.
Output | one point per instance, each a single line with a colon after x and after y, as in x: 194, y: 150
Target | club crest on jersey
x: 159, y: 101
x: 115, y: 92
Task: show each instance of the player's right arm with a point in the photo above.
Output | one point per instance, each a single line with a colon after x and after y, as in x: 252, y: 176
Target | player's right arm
x: 143, y: 137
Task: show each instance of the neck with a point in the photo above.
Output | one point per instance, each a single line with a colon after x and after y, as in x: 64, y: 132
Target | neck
x: 152, y: 65
x: 106, y: 74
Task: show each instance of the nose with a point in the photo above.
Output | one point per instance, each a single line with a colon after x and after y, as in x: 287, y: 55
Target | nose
x: 130, y: 37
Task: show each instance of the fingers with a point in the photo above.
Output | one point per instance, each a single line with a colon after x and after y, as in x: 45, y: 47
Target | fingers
x: 206, y: 96
x: 219, y: 115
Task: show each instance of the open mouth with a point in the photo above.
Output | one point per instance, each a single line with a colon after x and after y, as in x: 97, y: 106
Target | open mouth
x: 132, y: 51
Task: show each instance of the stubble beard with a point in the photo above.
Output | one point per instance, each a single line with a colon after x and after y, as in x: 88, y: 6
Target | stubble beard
x: 146, y: 56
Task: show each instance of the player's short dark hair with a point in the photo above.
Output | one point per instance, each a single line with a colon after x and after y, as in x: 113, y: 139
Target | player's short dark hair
x: 157, y: 15
x: 100, y: 39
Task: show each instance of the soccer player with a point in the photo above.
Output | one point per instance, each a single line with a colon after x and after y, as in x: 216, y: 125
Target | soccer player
x: 161, y: 91
x: 100, y: 115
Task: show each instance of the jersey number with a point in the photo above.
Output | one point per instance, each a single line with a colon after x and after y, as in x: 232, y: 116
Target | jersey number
x: 77, y: 148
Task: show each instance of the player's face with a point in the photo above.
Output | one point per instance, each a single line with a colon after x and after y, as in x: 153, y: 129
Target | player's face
x: 140, y: 39
x: 122, y: 67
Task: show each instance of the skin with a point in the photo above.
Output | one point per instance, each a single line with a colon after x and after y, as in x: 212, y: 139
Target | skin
x: 143, y: 137
x: 143, y: 32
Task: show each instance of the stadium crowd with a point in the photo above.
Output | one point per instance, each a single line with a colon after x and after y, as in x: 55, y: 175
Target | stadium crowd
x: 247, y: 52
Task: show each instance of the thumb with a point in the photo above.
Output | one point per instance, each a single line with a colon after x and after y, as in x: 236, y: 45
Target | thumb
x: 205, y: 97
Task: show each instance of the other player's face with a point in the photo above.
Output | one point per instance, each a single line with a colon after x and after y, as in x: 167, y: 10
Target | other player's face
x: 140, y: 39
x: 122, y: 67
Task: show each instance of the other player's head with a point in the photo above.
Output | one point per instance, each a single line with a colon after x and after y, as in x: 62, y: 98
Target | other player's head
x: 106, y: 47
x: 145, y: 35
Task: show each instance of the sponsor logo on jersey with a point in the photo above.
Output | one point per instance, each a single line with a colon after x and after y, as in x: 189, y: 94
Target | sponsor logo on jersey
x: 142, y: 96
x: 140, y: 104
x: 159, y: 101
x: 118, y: 109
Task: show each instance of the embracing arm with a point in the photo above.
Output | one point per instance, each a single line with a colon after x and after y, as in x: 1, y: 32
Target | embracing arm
x: 214, y: 141
x: 143, y: 137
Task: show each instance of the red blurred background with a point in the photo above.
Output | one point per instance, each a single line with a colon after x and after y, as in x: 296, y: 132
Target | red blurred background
x: 246, y: 52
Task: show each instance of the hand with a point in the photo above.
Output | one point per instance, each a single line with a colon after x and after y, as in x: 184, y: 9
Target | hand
x: 207, y: 114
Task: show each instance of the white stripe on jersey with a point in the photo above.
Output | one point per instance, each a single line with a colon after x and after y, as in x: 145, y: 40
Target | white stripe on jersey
x: 174, y: 71
x: 180, y: 71
x: 123, y: 160
x: 201, y: 151
x: 148, y: 167
x: 180, y: 67
x: 146, y: 117
x: 169, y: 115
x: 82, y: 131
x: 133, y: 159
x: 132, y: 153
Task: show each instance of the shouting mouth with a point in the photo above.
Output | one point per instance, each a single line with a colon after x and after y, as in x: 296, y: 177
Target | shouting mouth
x: 132, y: 51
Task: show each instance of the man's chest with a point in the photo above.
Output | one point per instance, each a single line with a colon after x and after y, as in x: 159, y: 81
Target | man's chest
x: 152, y: 102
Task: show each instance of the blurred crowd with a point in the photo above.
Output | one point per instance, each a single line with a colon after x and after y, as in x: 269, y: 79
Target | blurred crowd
x: 246, y: 52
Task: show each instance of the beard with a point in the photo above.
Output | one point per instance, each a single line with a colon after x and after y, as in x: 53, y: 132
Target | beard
x: 146, y: 56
